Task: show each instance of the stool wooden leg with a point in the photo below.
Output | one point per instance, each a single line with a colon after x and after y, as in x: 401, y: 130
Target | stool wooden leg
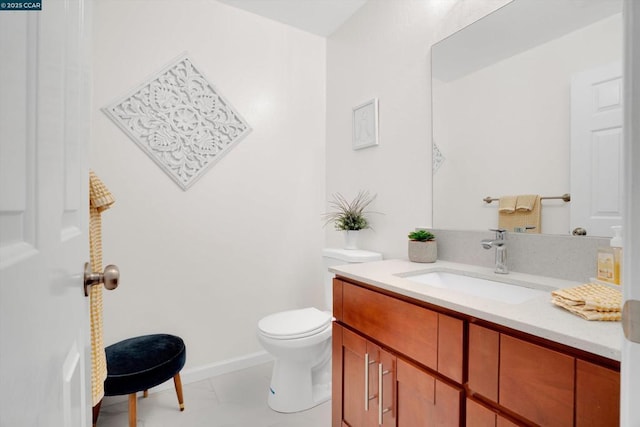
x: 96, y: 413
x: 145, y: 393
x: 132, y: 410
x: 178, y: 384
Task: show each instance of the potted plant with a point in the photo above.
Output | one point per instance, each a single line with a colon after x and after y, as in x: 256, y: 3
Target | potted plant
x: 349, y: 216
x: 422, y: 246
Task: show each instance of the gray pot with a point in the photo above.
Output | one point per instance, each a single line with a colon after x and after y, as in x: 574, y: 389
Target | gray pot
x: 423, y: 251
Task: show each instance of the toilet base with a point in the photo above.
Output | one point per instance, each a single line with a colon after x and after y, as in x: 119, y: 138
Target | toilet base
x: 294, y: 387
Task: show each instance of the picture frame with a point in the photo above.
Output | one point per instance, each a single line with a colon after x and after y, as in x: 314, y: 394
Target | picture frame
x: 365, y: 125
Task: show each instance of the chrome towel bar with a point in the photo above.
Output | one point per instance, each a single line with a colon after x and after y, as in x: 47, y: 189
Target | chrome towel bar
x: 565, y: 197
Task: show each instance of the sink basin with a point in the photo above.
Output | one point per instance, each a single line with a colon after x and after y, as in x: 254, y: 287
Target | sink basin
x: 483, y: 288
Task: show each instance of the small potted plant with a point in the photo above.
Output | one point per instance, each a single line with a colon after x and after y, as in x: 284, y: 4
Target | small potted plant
x: 422, y: 246
x: 349, y: 216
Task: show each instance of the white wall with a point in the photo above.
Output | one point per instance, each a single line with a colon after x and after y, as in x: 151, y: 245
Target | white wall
x: 245, y: 240
x: 384, y: 51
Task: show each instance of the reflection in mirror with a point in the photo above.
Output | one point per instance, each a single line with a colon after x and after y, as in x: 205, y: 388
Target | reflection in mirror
x: 503, y: 111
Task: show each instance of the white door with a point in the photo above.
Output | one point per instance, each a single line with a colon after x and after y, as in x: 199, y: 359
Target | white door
x: 44, y: 123
x: 630, y: 371
x: 596, y: 150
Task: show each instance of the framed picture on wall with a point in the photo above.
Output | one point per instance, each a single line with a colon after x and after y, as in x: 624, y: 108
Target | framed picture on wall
x: 365, y: 124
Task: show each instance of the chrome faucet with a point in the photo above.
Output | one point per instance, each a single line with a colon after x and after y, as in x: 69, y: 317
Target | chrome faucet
x: 500, y: 243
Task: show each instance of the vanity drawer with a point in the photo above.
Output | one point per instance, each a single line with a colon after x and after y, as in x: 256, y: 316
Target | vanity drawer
x: 536, y: 382
x: 432, y: 339
x: 597, y: 395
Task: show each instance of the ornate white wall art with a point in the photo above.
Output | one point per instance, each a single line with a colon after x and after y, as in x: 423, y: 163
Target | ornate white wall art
x: 437, y: 158
x: 180, y: 120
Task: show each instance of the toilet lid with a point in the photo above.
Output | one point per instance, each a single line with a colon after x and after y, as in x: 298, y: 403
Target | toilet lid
x: 294, y: 323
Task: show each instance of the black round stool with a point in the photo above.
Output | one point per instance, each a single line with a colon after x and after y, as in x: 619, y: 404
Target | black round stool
x: 137, y: 364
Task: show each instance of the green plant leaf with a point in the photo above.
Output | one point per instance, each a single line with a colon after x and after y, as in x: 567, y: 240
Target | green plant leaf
x: 421, y: 236
x: 349, y: 215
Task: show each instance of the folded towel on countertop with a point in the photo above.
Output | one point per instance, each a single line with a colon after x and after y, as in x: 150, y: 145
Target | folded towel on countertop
x: 591, y: 301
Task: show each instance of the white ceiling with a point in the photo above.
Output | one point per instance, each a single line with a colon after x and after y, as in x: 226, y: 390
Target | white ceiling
x: 528, y: 23
x: 321, y: 17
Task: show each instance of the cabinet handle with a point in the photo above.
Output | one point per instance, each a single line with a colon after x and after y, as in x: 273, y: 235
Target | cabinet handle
x: 381, y: 411
x: 367, y: 396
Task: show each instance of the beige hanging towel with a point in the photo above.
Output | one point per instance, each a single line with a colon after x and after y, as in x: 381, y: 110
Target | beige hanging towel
x: 527, y: 213
x: 507, y: 204
x: 100, y: 199
x: 526, y: 202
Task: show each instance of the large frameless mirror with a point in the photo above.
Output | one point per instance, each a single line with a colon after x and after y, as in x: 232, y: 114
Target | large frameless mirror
x: 507, y: 95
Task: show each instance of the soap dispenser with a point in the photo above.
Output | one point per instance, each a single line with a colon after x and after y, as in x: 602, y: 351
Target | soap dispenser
x: 616, y: 246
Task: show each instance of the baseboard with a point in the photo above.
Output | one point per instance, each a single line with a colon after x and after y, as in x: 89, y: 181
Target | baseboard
x: 200, y: 373
x: 203, y: 372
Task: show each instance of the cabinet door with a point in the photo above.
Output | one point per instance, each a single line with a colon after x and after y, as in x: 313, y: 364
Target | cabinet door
x: 451, y: 347
x: 481, y: 416
x: 424, y: 400
x: 597, y: 395
x: 536, y: 383
x: 368, y: 383
x: 357, y: 389
x: 337, y: 360
x: 385, y: 378
x: 484, y: 354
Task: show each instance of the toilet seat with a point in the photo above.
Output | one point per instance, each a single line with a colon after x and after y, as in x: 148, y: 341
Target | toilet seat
x: 293, y: 324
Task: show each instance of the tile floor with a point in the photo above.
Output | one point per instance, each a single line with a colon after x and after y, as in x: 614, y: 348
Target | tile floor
x: 237, y: 399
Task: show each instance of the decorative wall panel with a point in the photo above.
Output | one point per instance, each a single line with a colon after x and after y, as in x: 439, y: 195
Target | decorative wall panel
x: 437, y: 158
x: 180, y: 120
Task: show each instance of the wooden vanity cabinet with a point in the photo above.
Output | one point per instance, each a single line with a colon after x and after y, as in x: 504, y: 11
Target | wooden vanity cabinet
x: 408, y: 395
x: 442, y: 370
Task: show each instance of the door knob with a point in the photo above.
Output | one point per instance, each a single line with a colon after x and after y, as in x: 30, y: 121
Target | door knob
x: 579, y: 231
x: 109, y: 277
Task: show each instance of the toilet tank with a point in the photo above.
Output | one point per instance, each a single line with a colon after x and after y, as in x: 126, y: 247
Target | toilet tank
x: 333, y: 257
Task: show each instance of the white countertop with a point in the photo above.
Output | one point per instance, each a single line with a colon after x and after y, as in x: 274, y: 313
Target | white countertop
x: 537, y: 316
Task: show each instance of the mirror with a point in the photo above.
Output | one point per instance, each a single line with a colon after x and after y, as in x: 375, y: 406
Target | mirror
x: 501, y: 96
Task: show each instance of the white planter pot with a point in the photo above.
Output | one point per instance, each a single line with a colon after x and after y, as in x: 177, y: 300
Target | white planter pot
x: 423, y: 251
x: 351, y: 239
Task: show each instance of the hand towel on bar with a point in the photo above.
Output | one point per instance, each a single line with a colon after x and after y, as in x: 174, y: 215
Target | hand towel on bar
x: 521, y: 219
x: 100, y: 199
x: 507, y: 204
x: 526, y: 202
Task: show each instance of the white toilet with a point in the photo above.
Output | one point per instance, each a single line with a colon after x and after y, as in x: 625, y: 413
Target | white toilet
x: 300, y: 341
